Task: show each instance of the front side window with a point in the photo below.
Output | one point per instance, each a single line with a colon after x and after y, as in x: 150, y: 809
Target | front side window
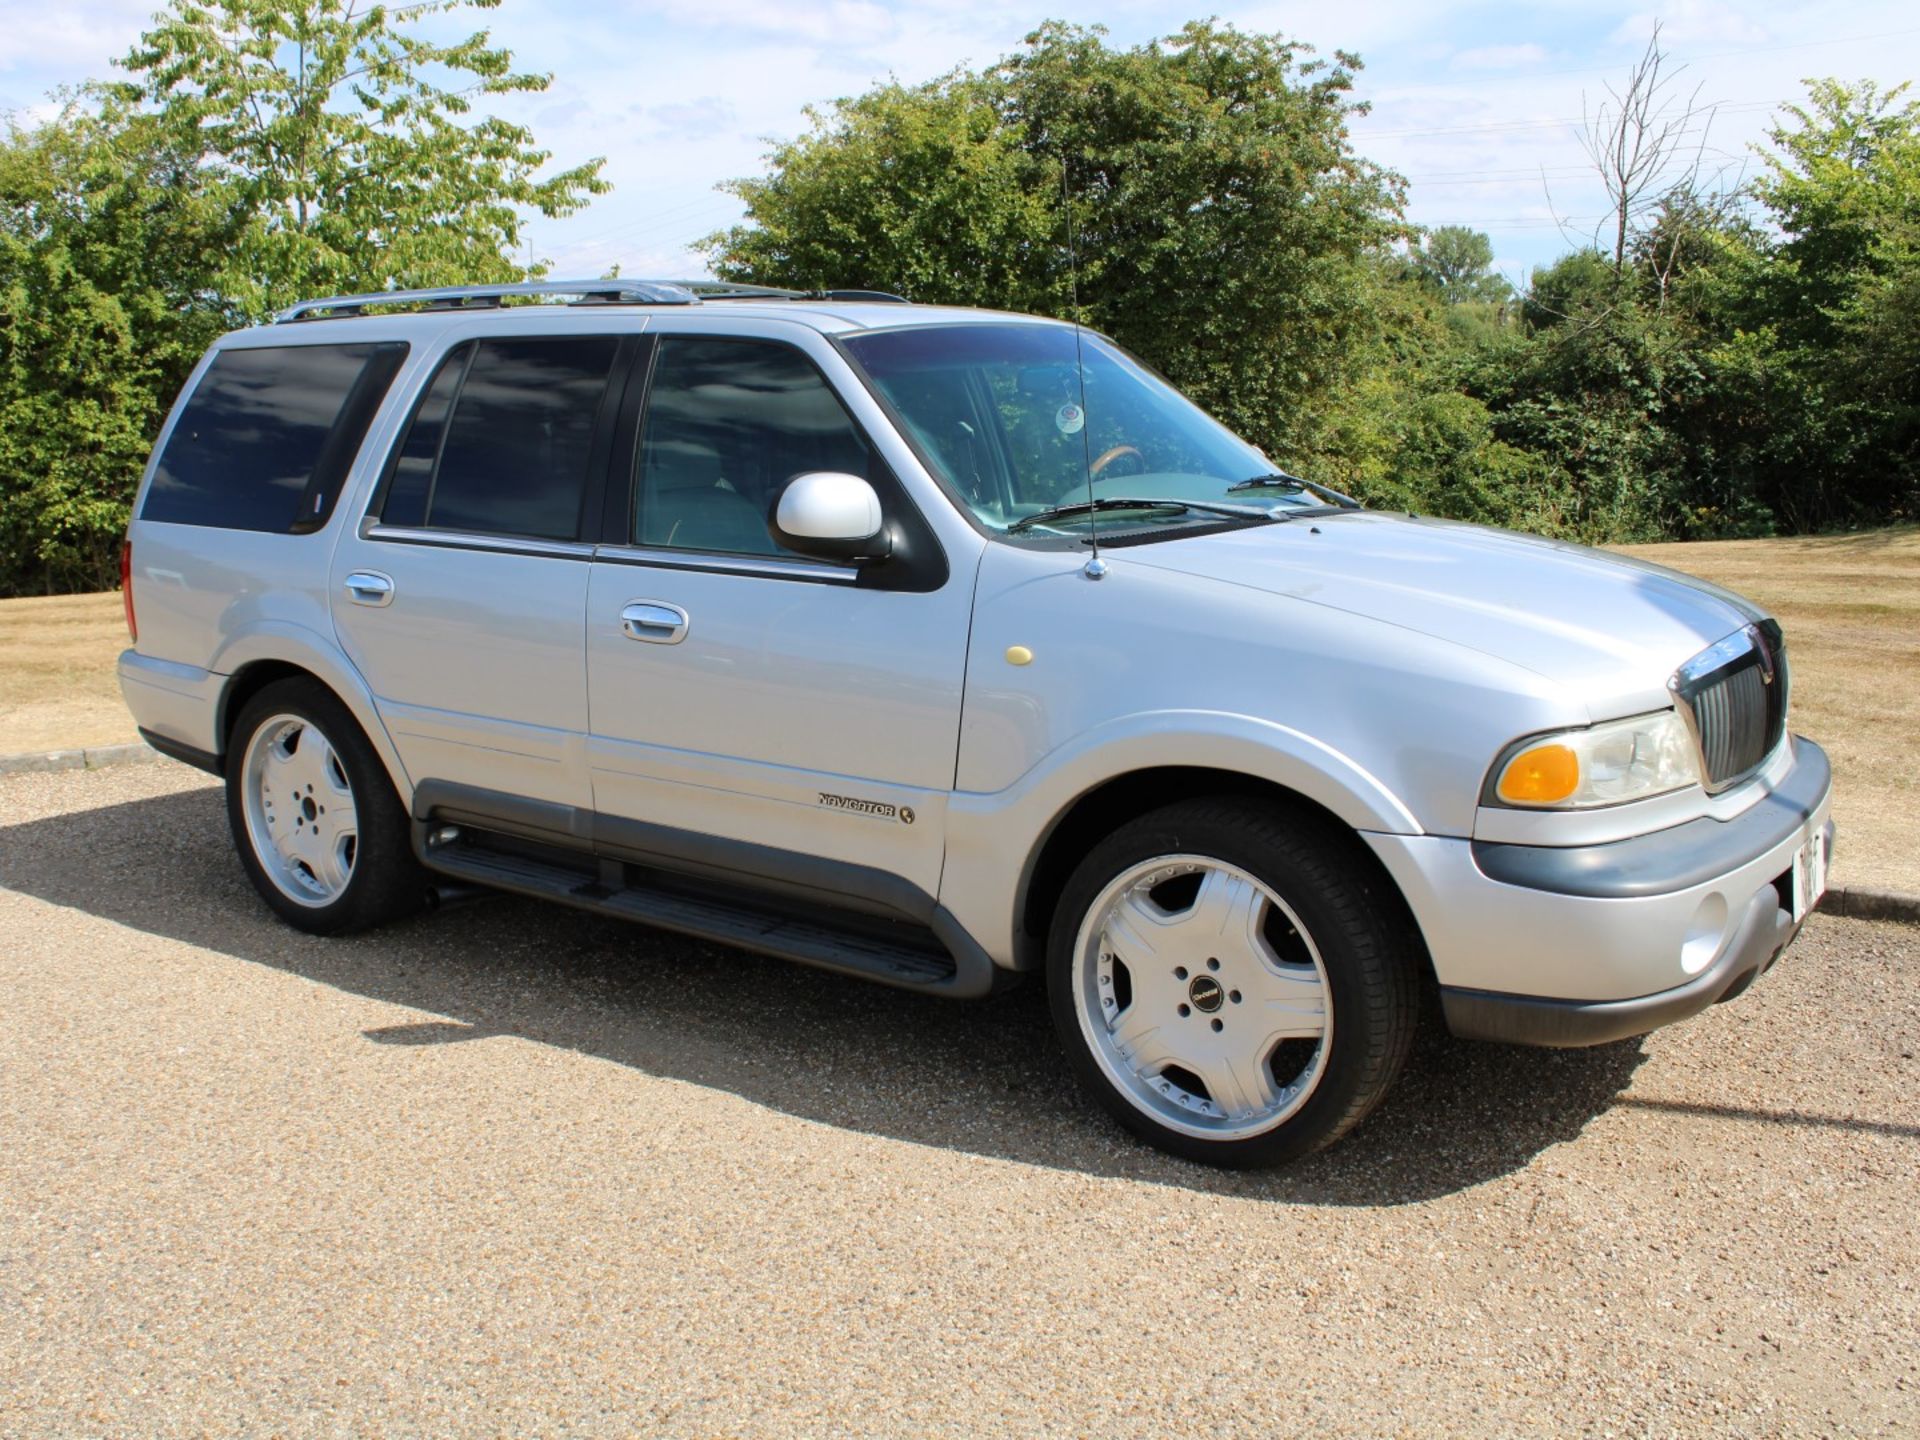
x: 1017, y: 418
x: 501, y: 442
x: 265, y: 439
x: 729, y: 423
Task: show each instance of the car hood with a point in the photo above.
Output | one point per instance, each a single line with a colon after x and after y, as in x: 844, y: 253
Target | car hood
x: 1612, y: 629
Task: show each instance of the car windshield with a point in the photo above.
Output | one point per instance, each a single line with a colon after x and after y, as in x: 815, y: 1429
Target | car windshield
x: 998, y: 410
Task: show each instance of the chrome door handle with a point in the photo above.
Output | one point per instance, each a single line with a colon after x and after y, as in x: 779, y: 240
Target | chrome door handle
x: 654, y: 622
x: 370, y: 587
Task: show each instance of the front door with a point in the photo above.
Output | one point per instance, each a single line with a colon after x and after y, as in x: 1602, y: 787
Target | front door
x: 751, y: 709
x: 461, y: 597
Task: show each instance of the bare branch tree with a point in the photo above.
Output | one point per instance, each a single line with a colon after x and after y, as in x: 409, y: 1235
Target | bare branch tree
x: 1676, y: 239
x: 1646, y: 141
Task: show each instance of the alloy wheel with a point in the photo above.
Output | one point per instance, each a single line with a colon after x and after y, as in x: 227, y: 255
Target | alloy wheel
x: 300, y: 811
x: 1203, y: 997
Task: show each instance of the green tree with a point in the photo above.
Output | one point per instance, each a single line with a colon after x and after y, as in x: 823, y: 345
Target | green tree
x: 1841, y: 291
x: 1573, y: 290
x: 1594, y: 396
x: 262, y: 150
x: 1405, y: 435
x: 106, y: 227
x: 923, y: 190
x: 1458, y: 263
x: 1221, y: 218
x: 1843, y: 184
x: 348, y: 140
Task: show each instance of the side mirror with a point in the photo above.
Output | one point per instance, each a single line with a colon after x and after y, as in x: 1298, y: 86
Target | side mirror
x: 830, y: 515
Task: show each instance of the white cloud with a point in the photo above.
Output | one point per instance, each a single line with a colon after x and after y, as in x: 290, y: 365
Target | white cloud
x: 705, y: 114
x: 838, y: 22
x: 1500, y: 57
x: 1695, y: 22
x: 77, y: 38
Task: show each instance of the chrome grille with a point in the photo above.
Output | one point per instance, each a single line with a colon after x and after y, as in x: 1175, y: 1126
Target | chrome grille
x: 1734, y: 697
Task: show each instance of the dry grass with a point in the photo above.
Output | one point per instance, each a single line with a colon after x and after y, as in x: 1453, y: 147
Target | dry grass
x: 58, y: 690
x: 1850, y: 605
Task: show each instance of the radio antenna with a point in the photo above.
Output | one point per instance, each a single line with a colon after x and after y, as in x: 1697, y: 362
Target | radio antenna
x: 1096, y: 567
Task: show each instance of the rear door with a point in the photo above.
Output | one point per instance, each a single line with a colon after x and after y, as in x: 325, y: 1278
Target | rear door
x: 462, y: 594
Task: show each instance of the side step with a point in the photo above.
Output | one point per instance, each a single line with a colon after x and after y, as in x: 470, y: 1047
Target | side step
x: 900, y: 954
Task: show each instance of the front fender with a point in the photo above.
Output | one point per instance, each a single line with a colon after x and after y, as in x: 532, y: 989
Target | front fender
x: 993, y: 839
x: 287, y: 643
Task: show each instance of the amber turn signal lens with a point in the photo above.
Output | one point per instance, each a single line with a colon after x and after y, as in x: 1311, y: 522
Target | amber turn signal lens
x: 1544, y: 775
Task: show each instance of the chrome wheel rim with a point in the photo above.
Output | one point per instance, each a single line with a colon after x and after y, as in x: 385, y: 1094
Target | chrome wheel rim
x: 299, y: 810
x: 1203, y: 997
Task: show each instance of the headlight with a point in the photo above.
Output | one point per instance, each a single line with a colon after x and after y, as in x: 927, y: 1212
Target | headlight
x: 1601, y: 765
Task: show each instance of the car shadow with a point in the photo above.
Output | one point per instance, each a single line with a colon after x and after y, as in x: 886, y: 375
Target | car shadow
x: 985, y: 1078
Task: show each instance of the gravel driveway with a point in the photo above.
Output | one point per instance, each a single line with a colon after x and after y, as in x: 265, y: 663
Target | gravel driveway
x: 513, y: 1170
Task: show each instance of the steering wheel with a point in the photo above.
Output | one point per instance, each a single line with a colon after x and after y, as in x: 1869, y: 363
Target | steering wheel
x: 1120, y: 452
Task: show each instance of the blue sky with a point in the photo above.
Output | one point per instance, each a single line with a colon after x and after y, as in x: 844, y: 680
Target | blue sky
x: 1476, y: 104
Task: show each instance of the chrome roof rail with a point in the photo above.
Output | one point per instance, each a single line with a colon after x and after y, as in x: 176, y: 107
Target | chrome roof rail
x: 615, y: 291
x: 459, y: 297
x: 729, y: 290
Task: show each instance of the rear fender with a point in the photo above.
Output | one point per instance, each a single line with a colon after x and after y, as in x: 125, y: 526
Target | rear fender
x: 286, y: 643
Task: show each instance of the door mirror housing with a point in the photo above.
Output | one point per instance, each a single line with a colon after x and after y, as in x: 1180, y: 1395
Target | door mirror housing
x: 832, y: 515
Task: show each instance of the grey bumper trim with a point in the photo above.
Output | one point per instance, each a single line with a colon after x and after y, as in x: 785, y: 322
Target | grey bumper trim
x: 186, y: 754
x: 1764, y: 931
x: 1677, y: 858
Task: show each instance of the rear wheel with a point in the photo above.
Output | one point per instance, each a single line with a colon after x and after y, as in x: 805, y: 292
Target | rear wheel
x: 320, y: 831
x: 1228, y: 981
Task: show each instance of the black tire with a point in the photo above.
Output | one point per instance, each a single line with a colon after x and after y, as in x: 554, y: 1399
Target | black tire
x: 1368, y: 952
x: 385, y: 882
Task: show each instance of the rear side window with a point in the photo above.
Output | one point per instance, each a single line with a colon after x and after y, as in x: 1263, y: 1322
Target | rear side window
x: 502, y: 440
x: 267, y: 437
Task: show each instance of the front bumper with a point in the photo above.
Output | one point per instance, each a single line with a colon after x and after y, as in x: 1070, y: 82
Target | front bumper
x: 1581, y: 945
x: 1758, y: 940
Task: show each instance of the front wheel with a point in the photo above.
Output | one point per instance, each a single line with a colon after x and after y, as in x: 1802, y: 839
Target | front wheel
x: 319, y: 828
x: 1230, y: 982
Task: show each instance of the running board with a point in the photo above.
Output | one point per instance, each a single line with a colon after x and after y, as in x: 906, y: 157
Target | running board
x: 901, y: 954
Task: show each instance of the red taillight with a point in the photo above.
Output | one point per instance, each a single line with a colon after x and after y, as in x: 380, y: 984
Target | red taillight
x: 126, y: 589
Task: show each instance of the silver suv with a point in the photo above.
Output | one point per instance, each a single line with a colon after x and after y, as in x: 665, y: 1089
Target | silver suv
x: 936, y: 646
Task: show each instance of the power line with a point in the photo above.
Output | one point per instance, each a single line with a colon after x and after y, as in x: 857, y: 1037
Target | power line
x: 1525, y: 220
x: 658, y: 215
x: 645, y: 231
x: 1512, y: 177
x: 1481, y: 81
x: 1732, y: 107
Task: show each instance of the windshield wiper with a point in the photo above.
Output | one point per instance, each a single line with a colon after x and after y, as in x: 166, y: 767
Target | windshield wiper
x: 1278, y: 480
x: 1176, y: 507
x: 1294, y: 485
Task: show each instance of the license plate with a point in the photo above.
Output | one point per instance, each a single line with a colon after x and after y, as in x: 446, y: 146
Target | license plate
x: 1809, y: 875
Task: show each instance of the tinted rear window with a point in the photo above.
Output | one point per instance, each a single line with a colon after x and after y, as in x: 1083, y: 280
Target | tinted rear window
x: 267, y: 436
x: 411, y: 469
x: 502, y: 441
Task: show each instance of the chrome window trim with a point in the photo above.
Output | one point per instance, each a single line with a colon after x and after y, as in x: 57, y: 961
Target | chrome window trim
x: 372, y: 529
x: 766, y: 567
